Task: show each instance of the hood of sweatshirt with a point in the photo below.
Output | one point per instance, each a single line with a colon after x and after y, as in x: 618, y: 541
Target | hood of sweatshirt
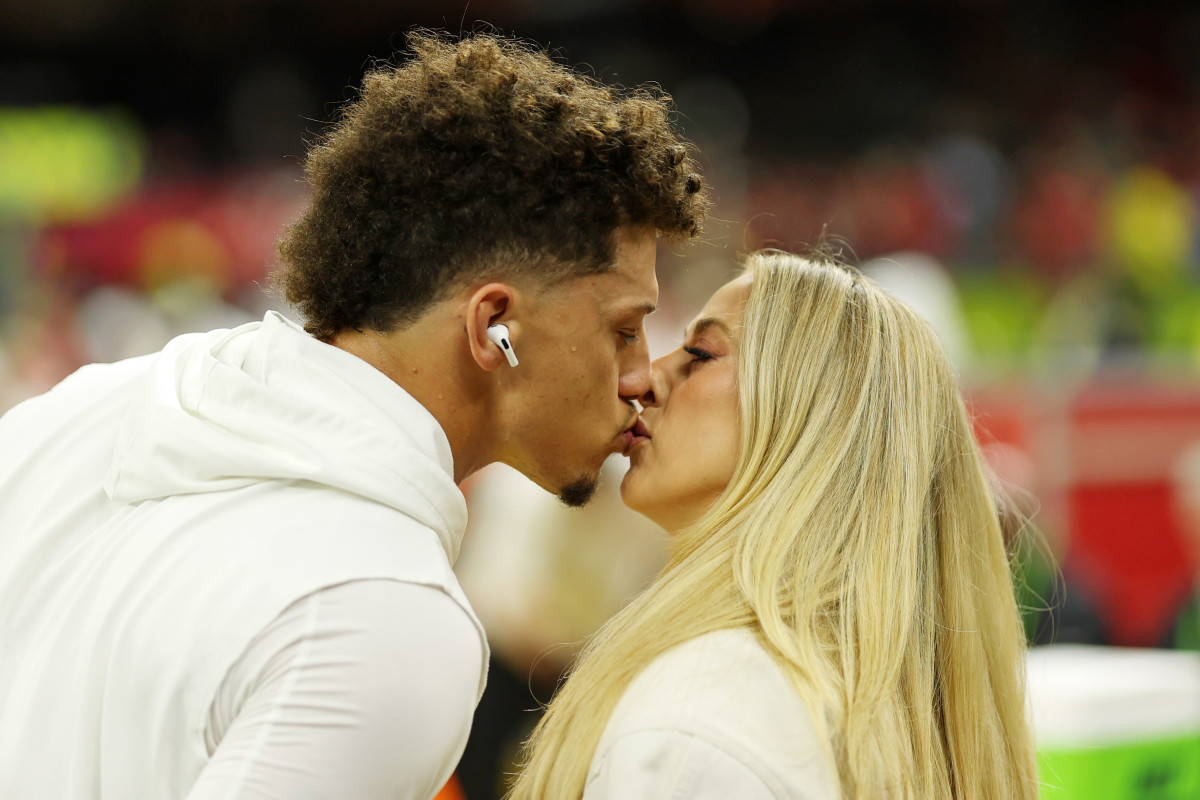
x: 266, y: 401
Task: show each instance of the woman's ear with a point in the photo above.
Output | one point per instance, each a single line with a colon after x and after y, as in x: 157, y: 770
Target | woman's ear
x: 491, y: 304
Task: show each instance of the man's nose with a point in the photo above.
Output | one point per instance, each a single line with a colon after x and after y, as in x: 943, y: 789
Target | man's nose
x: 635, y: 377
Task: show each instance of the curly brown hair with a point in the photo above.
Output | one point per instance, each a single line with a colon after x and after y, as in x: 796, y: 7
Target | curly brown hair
x: 477, y: 155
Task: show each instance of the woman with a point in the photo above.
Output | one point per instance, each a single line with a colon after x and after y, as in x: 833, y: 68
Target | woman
x: 837, y: 617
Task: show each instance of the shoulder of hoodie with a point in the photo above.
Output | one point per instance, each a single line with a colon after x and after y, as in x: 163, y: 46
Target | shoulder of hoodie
x: 85, y: 381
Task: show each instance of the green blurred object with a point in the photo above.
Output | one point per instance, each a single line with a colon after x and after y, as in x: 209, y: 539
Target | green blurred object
x: 1187, y: 629
x: 1002, y: 310
x: 1175, y: 322
x: 60, y: 163
x: 1033, y: 574
x: 1159, y: 769
x: 1116, y: 723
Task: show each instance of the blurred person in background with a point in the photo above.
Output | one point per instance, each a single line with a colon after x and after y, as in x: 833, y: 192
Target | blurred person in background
x: 836, y: 618
x: 225, y: 568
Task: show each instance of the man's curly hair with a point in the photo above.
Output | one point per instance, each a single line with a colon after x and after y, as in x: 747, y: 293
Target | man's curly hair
x: 474, y: 156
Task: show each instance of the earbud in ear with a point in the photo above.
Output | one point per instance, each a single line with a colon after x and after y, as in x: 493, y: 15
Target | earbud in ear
x: 498, y: 335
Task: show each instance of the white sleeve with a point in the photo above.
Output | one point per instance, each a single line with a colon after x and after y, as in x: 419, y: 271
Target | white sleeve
x: 360, y: 691
x: 665, y: 764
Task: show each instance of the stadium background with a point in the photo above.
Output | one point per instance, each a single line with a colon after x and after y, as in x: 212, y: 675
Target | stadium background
x: 1027, y: 173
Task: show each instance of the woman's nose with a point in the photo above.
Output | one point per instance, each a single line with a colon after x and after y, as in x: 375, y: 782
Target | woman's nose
x: 659, y: 387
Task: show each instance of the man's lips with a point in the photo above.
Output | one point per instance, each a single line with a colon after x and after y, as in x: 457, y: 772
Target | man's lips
x: 637, y: 434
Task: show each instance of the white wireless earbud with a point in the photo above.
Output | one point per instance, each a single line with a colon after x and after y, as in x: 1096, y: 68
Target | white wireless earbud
x: 498, y: 335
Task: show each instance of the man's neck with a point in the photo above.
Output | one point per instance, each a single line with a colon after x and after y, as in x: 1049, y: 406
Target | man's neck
x: 425, y: 363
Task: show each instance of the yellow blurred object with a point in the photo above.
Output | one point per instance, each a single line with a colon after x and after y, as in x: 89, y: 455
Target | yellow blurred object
x: 1150, y: 227
x: 61, y: 163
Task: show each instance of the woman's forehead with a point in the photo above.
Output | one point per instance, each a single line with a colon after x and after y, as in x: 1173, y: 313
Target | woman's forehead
x: 726, y: 303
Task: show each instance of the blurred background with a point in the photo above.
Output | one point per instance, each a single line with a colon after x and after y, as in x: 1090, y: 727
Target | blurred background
x: 1026, y: 173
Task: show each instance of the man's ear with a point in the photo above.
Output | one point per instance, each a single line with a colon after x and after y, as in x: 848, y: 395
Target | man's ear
x: 488, y: 305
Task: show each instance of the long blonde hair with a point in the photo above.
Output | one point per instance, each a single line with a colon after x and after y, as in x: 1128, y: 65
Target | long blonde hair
x: 857, y: 537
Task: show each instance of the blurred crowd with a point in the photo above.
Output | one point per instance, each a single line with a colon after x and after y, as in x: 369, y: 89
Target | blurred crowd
x: 1069, y: 255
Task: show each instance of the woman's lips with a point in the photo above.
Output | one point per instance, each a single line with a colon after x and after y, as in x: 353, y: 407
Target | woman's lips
x: 636, y: 435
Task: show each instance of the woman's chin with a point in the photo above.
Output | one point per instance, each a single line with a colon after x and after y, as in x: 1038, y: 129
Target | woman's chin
x: 629, y: 494
x: 637, y: 496
x: 633, y: 491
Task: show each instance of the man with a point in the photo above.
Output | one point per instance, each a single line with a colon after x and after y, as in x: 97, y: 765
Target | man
x: 225, y: 568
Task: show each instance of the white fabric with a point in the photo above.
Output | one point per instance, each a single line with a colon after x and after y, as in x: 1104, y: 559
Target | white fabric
x: 1087, y: 696
x: 712, y: 719
x: 156, y: 515
x: 322, y: 704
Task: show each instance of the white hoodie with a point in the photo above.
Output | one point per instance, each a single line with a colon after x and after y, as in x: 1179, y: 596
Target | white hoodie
x: 157, y: 514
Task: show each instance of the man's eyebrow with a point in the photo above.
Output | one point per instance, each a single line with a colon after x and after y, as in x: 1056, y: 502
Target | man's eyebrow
x: 704, y: 323
x: 644, y: 308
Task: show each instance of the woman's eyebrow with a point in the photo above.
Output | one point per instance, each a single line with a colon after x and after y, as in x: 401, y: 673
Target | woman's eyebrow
x: 704, y: 323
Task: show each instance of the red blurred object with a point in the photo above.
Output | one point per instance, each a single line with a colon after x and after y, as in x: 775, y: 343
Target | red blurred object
x: 1103, y: 459
x: 1126, y: 541
x: 790, y: 202
x: 881, y: 205
x: 1057, y: 220
x: 225, y: 228
x: 1125, y: 533
x: 896, y: 209
x: 451, y: 791
x: 1001, y: 415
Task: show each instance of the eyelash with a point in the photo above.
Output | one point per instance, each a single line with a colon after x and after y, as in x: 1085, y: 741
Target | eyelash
x: 698, y: 355
x: 630, y: 338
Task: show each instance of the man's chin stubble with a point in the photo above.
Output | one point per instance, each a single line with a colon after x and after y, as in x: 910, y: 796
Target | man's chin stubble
x: 579, y: 493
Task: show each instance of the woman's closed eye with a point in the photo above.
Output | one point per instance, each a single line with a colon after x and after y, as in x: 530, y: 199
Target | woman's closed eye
x: 698, y: 356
